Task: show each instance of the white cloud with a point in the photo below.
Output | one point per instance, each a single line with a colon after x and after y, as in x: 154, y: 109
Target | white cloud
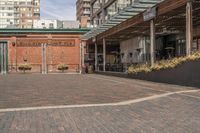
x: 58, y: 9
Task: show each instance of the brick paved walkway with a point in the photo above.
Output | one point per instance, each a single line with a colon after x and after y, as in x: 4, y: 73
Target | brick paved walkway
x: 176, y: 113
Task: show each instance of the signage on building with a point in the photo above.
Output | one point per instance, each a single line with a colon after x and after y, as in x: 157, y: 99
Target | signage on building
x: 149, y: 14
x: 65, y: 43
x: 38, y: 43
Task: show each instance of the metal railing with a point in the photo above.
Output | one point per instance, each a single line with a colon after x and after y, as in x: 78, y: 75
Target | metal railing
x: 113, y: 67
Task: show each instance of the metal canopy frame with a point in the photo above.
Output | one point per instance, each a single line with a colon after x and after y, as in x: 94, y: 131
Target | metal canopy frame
x: 124, y: 14
x: 169, y: 20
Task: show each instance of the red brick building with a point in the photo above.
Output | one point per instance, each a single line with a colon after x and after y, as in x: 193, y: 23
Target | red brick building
x: 43, y: 49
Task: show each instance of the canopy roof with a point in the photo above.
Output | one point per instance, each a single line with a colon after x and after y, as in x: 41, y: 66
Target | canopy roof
x: 43, y: 31
x: 130, y: 11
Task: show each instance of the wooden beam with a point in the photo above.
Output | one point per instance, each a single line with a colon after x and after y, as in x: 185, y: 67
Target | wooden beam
x: 96, y: 57
x: 163, y: 8
x: 189, y: 28
x: 104, y: 54
x: 153, y: 41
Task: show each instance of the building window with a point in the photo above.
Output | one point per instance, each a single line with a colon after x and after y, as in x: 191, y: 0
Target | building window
x: 122, y: 55
x: 9, y: 14
x: 130, y: 55
x: 51, y: 25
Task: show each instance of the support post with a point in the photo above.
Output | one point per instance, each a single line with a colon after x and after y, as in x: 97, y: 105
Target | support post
x: 103, y: 12
x: 1, y: 57
x: 42, y: 50
x: 44, y: 59
x: 5, y: 58
x: 80, y: 65
x: 189, y: 28
x: 83, y: 53
x: 145, y: 51
x: 152, y: 49
x: 96, y: 57
x: 82, y: 57
x: 16, y: 55
x: 104, y: 54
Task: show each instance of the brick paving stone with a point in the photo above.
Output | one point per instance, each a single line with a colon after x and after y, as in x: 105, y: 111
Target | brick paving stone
x: 171, y: 114
x: 178, y: 113
x: 49, y: 90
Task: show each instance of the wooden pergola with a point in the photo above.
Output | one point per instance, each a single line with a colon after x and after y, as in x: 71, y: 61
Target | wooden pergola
x: 172, y: 16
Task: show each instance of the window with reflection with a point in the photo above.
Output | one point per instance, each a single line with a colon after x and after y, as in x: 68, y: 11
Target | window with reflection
x: 97, y: 5
x: 115, y: 7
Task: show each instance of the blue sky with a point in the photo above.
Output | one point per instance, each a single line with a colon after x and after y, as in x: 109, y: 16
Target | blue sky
x: 58, y: 9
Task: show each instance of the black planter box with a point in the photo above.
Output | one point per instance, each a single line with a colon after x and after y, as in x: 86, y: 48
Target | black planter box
x: 186, y: 74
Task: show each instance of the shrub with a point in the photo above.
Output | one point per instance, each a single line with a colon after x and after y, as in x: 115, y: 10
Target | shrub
x: 62, y: 67
x: 24, y: 67
x: 163, y: 64
x: 90, y: 69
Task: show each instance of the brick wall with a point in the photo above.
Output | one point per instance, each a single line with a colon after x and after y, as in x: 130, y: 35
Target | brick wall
x: 55, y: 55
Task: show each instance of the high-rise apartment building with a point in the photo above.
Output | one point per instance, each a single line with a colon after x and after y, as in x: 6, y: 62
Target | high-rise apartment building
x: 70, y: 24
x: 103, y: 10
x: 83, y: 12
x: 19, y: 13
x: 47, y: 24
x: 55, y: 24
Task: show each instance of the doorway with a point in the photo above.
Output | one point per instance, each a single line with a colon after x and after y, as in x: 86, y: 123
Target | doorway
x: 3, y: 57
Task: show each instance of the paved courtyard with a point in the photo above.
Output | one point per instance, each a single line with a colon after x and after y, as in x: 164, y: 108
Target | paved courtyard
x: 95, y: 104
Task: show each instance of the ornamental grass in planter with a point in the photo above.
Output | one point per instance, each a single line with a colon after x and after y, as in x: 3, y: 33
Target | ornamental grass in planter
x: 25, y: 67
x: 62, y: 67
x: 163, y: 64
x: 90, y: 69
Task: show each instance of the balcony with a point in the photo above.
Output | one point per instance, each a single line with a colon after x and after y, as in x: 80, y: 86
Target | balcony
x: 86, y: 5
x: 86, y: 12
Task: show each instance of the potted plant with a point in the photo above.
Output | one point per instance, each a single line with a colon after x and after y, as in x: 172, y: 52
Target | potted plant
x: 25, y: 67
x: 62, y: 67
x: 90, y: 69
